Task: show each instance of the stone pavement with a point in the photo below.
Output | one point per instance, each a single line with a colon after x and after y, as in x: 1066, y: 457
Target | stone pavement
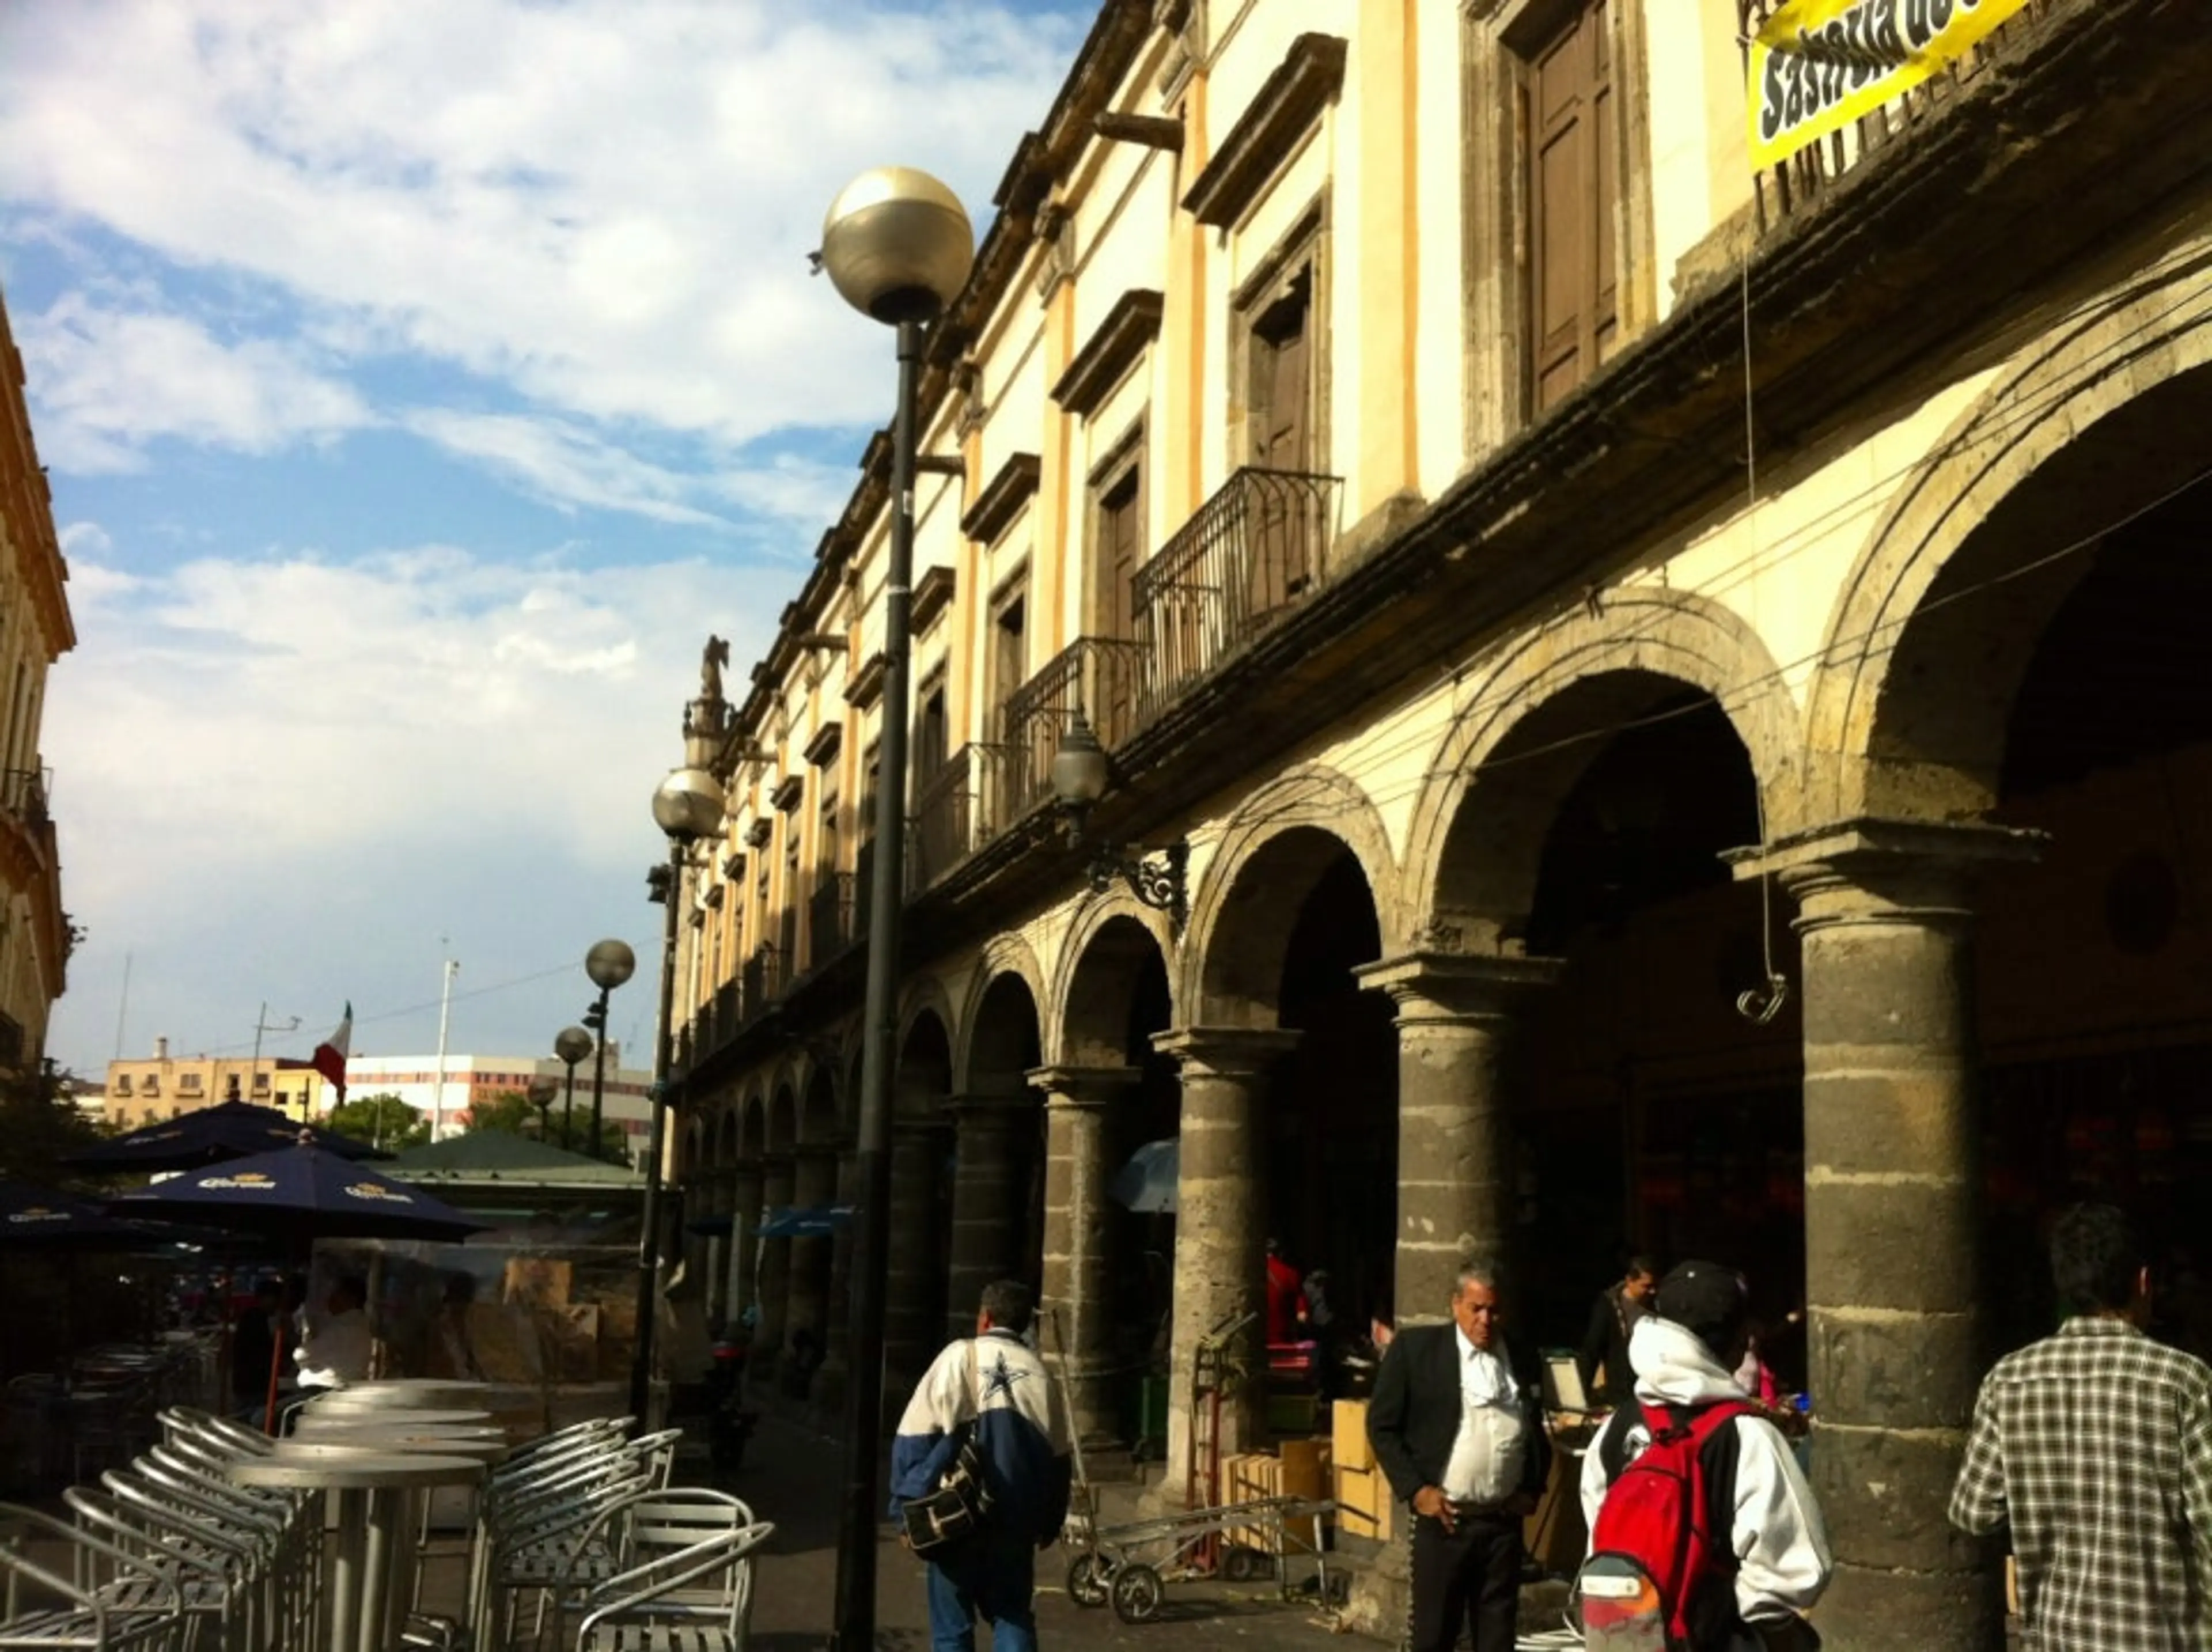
x: 791, y: 1476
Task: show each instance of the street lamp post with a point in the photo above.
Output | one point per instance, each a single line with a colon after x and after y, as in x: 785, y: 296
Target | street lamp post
x: 540, y: 1096
x: 687, y: 806
x: 570, y: 1046
x: 897, y: 245
x: 609, y: 964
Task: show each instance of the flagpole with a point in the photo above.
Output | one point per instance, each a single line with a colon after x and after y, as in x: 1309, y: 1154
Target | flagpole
x: 438, y: 1089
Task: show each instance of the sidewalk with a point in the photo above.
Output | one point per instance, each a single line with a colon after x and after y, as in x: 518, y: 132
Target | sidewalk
x: 791, y: 1476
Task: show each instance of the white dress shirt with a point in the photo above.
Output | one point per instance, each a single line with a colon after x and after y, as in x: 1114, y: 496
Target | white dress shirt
x: 1491, y: 1450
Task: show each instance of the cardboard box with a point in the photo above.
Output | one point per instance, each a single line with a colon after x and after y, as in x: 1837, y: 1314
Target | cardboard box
x: 1554, y: 1534
x: 1366, y: 1507
x: 1348, y: 1435
x: 1248, y: 1478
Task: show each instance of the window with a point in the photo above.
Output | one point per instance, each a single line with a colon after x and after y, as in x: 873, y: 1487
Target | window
x: 1282, y: 424
x: 930, y: 735
x: 1118, y: 550
x: 260, y: 1081
x: 122, y: 1083
x: 1572, y: 190
x: 1009, y: 661
x: 153, y: 1086
x: 189, y: 1083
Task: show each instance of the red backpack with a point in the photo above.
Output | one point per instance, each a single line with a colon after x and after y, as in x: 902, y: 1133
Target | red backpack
x: 1659, y: 1575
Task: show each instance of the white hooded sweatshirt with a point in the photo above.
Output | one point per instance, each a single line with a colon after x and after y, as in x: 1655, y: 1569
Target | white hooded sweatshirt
x: 1781, y: 1547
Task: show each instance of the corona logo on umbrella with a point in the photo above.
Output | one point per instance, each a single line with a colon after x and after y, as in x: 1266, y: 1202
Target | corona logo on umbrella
x: 249, y: 1182
x: 372, y: 1190
x: 39, y: 1213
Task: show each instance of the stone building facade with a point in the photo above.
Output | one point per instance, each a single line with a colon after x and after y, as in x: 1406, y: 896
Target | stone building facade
x: 36, y: 936
x: 1678, y: 684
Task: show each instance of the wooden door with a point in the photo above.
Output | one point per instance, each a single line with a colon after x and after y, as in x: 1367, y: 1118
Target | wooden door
x: 1112, y: 691
x: 1572, y: 189
x: 1282, y: 345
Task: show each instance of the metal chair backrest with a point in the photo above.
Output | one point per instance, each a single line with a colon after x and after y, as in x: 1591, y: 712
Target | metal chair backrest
x: 711, y: 1579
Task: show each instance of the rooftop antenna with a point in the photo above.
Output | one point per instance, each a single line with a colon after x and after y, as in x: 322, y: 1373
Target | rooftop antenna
x: 123, y: 1009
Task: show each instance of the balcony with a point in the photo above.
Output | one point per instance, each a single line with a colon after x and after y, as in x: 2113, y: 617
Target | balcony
x: 1820, y: 167
x: 829, y: 918
x: 1099, y: 677
x: 952, y: 817
x: 760, y: 983
x: 1252, y: 553
x: 23, y: 793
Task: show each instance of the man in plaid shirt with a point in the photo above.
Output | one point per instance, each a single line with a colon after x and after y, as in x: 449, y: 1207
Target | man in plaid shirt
x: 2095, y: 1445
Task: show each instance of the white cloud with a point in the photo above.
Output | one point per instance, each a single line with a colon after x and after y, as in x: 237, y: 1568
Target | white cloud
x: 604, y: 204
x: 560, y: 463
x: 108, y: 381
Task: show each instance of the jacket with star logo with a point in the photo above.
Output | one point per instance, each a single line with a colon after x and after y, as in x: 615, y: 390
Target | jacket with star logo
x: 998, y: 1382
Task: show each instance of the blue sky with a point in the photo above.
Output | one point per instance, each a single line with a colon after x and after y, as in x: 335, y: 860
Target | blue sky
x: 416, y: 400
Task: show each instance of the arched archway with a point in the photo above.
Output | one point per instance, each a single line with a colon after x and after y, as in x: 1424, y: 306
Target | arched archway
x: 2006, y: 1023
x: 1301, y: 1149
x: 779, y: 1187
x: 921, y: 1214
x: 1579, y: 1007
x: 998, y: 1185
x: 1109, y: 1265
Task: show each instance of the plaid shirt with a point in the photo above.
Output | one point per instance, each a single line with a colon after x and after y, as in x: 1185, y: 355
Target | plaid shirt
x: 2096, y: 1444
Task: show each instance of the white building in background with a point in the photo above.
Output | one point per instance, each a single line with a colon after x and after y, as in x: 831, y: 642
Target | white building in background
x: 471, y: 1078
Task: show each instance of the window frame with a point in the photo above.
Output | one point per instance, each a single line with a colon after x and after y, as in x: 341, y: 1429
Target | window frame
x: 1498, y: 38
x: 1302, y: 249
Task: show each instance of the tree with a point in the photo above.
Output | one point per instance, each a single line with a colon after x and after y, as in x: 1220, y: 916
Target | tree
x: 510, y: 1112
x: 40, y: 1125
x: 382, y: 1120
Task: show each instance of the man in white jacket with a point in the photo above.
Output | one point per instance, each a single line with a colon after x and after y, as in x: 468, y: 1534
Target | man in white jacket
x: 1684, y: 1356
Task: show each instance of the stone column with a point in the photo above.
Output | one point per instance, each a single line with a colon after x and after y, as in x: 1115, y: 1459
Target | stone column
x: 829, y: 1391
x: 913, y: 1332
x: 814, y: 1185
x: 744, y: 1222
x: 1456, y: 1016
x: 776, y: 1176
x: 1078, y: 1263
x: 1893, y: 1219
x: 710, y: 1201
x: 1220, y: 1261
x: 982, y: 1202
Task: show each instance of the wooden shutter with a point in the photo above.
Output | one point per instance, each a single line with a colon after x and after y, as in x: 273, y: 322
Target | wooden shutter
x: 1573, y: 188
x: 1113, y: 691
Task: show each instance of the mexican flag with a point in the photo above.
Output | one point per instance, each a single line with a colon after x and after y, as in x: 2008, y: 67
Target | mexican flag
x: 330, y: 1056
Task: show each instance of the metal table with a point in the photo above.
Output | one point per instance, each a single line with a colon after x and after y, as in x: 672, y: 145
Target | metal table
x: 412, y: 1391
x: 370, y: 1559
x: 316, y: 1419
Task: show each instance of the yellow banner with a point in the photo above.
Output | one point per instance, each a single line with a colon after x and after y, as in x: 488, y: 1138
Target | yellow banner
x: 1817, y: 66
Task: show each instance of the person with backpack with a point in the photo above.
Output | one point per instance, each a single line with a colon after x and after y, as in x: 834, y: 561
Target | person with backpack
x: 987, y: 1406
x: 1704, y: 1535
x: 1460, y: 1436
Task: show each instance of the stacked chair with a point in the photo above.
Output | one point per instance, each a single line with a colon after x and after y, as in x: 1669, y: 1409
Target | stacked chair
x: 167, y: 1553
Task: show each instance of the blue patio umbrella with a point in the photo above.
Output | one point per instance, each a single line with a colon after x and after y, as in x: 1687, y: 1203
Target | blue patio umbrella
x: 210, y: 1135
x: 300, y: 1193
x: 1148, y: 1180
x: 37, y: 1218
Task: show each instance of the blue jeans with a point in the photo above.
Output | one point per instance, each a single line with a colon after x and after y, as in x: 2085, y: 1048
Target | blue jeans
x: 993, y: 1577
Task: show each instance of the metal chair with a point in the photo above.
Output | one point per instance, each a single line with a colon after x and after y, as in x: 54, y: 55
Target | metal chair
x: 697, y: 1599
x: 81, y: 1617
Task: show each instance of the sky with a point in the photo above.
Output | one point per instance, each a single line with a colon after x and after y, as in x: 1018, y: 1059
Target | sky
x: 418, y: 387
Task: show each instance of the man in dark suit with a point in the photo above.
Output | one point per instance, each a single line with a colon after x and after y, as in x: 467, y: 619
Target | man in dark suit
x: 1461, y: 1438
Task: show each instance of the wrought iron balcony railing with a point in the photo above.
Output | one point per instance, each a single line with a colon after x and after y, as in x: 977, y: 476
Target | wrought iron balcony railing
x: 829, y: 918
x: 1099, y: 677
x: 1251, y: 554
x: 953, y: 815
x: 760, y: 983
x: 23, y: 793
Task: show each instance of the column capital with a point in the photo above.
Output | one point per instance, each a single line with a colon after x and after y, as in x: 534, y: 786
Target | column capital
x: 1872, y: 871
x: 1456, y: 986
x: 967, y: 1112
x: 1091, y: 1087
x: 1226, y: 1051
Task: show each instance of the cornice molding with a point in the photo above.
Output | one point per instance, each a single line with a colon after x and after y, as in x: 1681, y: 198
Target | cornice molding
x: 1286, y: 104
x: 933, y: 594
x: 867, y: 683
x: 1001, y: 498
x: 822, y: 748
x: 1112, y: 347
